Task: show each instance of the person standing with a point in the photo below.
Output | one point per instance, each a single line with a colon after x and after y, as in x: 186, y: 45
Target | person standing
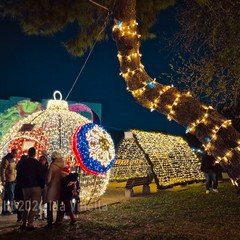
x: 44, y: 163
x: 45, y: 154
x: 54, y: 178
x: 31, y: 177
x: 69, y: 189
x: 18, y: 192
x: 8, y: 178
x: 209, y: 168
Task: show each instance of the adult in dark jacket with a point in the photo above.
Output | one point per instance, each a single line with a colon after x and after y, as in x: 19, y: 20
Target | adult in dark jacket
x: 31, y: 177
x: 69, y: 189
x: 18, y: 191
x: 8, y: 178
x: 210, y: 168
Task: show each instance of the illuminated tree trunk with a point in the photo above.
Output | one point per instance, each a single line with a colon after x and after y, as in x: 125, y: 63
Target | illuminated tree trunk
x: 214, y: 131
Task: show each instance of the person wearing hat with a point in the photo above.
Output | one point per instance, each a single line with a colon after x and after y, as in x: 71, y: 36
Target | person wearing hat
x: 54, y: 177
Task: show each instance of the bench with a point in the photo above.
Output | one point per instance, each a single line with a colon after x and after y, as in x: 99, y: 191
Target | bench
x: 133, y: 182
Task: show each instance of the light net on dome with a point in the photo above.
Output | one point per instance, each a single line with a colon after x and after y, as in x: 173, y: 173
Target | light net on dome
x: 51, y: 130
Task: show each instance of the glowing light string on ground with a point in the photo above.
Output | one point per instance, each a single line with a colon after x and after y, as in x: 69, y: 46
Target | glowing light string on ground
x: 94, y: 149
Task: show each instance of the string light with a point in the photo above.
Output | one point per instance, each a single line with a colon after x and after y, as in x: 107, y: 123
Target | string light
x: 173, y: 160
x: 171, y: 111
x: 152, y: 83
x: 228, y: 154
x: 176, y: 101
x: 200, y: 120
x: 129, y: 73
x: 156, y: 101
x: 128, y: 31
x: 132, y: 56
x: 215, y: 131
x: 138, y: 92
x: 52, y: 130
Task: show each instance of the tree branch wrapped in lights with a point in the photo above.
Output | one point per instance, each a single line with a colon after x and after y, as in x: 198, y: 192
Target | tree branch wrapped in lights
x: 214, y: 131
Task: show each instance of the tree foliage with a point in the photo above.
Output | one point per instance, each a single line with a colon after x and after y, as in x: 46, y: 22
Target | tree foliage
x: 48, y: 17
x: 207, y: 60
x: 214, y: 131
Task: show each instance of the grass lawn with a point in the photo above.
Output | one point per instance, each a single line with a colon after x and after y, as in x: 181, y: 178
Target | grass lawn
x: 178, y: 213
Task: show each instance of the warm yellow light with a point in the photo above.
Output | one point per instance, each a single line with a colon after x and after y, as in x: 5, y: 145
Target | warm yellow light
x: 198, y: 121
x: 57, y: 124
x: 173, y: 160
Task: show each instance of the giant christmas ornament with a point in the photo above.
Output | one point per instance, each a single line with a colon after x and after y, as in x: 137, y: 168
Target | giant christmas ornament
x: 93, y: 148
x: 52, y: 129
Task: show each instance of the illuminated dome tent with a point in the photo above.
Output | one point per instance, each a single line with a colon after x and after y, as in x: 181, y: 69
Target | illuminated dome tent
x: 55, y: 129
x: 168, y: 157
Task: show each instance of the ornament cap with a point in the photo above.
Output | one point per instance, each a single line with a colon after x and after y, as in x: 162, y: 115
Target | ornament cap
x: 57, y: 104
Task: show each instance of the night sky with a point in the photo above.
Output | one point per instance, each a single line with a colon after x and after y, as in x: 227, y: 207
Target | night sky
x: 35, y: 66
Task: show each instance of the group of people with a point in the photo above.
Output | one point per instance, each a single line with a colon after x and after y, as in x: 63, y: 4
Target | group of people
x: 31, y: 182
